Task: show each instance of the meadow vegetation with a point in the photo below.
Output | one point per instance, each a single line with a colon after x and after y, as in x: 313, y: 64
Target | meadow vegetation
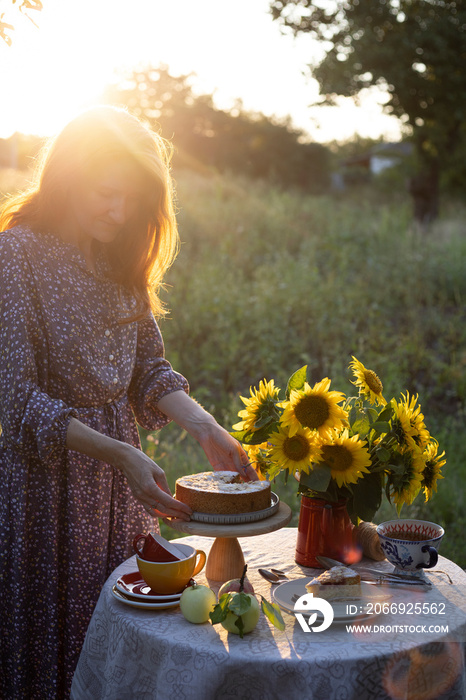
x: 269, y: 279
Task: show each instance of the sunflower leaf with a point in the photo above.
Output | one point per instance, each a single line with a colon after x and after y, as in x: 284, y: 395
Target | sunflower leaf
x: 318, y: 479
x: 359, y: 421
x: 367, y: 496
x: 387, y: 490
x: 355, y: 519
x: 372, y: 414
x: 352, y: 415
x: 240, y: 434
x: 382, y: 454
x: 381, y: 427
x: 296, y: 381
x: 386, y: 413
x: 254, y: 437
x: 263, y: 422
x: 396, y: 469
x: 361, y: 425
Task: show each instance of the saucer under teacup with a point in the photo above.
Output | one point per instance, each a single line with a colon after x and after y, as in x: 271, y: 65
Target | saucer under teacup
x: 144, y: 604
x: 132, y: 585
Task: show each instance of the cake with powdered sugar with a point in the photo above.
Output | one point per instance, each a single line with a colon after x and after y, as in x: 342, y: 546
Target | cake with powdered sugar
x: 222, y: 493
x: 337, y: 582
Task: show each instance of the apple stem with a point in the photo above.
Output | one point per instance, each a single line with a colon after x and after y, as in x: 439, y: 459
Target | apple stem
x: 241, y: 581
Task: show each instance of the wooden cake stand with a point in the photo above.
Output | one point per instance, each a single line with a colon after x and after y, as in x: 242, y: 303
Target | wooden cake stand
x: 226, y: 559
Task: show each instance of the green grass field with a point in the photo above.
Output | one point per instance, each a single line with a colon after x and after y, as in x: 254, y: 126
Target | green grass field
x: 269, y: 280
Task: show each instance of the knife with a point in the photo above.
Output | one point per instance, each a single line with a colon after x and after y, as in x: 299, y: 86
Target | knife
x: 388, y: 579
x: 380, y: 576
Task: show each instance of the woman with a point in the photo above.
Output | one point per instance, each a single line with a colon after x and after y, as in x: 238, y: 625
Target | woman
x: 81, y: 360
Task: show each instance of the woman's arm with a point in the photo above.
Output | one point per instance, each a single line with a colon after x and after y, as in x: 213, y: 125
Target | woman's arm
x: 146, y: 479
x: 222, y: 450
x: 153, y: 377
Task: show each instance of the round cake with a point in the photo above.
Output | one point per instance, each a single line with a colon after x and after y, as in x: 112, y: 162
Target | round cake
x: 222, y: 493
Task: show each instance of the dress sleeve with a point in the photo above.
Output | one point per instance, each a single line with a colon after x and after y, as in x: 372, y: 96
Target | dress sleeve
x: 153, y: 377
x: 32, y: 422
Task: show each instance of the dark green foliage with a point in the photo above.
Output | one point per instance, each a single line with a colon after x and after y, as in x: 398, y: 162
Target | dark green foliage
x: 415, y: 50
x: 268, y: 281
x: 206, y: 137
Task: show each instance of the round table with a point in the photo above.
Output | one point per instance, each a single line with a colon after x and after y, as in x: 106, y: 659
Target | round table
x: 130, y: 653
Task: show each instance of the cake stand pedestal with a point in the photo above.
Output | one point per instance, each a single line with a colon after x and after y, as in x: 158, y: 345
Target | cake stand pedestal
x: 226, y: 559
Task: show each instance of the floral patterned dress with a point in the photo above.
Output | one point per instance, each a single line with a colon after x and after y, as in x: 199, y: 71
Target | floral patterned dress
x: 66, y: 520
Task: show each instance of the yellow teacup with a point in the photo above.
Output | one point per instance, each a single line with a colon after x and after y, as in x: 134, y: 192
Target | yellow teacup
x: 167, y: 577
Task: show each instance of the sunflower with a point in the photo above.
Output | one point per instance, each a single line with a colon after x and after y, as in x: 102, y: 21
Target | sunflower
x: 408, y: 423
x: 401, y: 425
x: 421, y: 435
x: 368, y: 382
x: 259, y: 407
x: 314, y: 408
x: 433, y: 465
x: 406, y: 485
x: 347, y: 457
x: 258, y: 458
x: 293, y: 452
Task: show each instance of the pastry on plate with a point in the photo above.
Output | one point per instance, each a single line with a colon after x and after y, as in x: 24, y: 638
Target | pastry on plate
x: 336, y: 583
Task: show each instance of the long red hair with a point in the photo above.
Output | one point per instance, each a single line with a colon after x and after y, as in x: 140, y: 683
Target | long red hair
x: 139, y: 257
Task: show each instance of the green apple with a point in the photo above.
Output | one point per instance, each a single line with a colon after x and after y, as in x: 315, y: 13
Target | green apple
x: 250, y: 617
x: 197, y: 602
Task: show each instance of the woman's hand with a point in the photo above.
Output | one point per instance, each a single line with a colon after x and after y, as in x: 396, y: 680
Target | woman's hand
x: 222, y: 450
x: 225, y: 453
x: 149, y: 486
x: 146, y: 479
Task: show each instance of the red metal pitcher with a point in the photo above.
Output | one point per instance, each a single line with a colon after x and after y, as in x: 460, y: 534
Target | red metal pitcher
x: 324, y: 529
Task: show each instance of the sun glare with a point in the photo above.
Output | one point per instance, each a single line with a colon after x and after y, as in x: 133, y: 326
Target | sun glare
x: 57, y: 68
x: 235, y: 52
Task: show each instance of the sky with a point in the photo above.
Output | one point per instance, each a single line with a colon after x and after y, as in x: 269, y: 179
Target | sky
x: 234, y: 49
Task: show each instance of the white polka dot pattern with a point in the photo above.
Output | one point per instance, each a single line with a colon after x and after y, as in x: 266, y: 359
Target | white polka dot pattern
x: 66, y: 521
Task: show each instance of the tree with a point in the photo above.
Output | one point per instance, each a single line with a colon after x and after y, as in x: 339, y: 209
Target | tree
x: 205, y: 136
x: 23, y: 7
x: 415, y: 50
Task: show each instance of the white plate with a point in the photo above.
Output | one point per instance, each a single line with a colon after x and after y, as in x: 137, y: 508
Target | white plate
x: 141, y: 604
x: 286, y: 595
x: 132, y: 585
x: 238, y: 518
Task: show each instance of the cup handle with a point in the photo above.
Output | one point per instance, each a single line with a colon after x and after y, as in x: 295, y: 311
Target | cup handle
x: 433, y: 557
x: 201, y: 562
x: 137, y: 539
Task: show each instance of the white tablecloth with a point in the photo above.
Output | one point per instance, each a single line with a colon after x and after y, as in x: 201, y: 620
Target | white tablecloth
x: 132, y: 654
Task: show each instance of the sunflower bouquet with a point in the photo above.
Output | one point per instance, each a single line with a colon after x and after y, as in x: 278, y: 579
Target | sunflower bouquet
x: 354, y: 448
